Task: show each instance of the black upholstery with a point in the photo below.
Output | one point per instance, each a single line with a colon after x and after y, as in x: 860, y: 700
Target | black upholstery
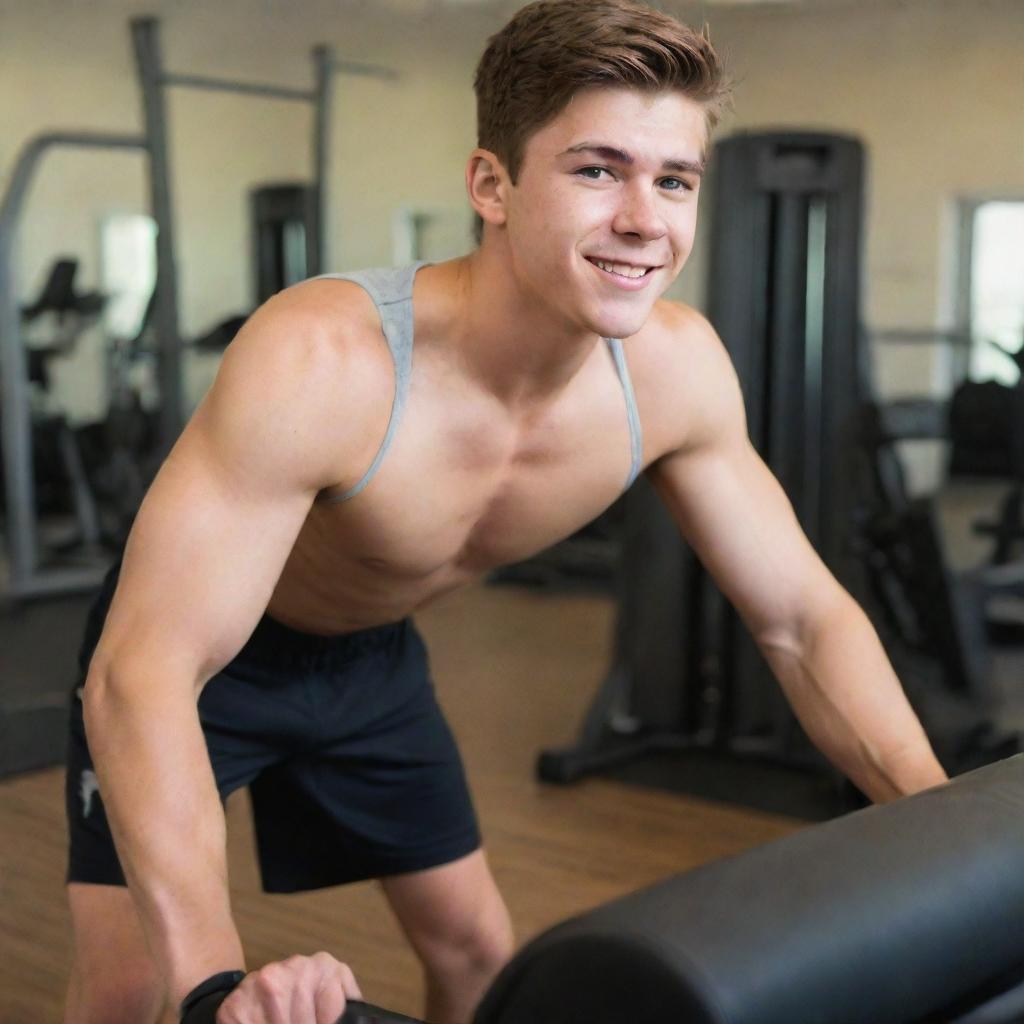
x: 891, y: 914
x: 366, y: 1013
x: 908, y: 913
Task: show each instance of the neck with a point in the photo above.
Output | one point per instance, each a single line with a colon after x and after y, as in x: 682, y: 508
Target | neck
x: 520, y: 350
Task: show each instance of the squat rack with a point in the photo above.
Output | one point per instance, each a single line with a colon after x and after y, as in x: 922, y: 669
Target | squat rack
x: 27, y: 578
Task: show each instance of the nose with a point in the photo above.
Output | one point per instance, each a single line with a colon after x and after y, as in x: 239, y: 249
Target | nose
x: 638, y: 214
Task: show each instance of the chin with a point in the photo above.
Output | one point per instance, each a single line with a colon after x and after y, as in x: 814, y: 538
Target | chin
x: 621, y: 324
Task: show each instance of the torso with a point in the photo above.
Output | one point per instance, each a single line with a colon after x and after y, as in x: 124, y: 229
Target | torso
x: 464, y: 488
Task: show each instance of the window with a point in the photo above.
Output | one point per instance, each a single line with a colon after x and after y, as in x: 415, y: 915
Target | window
x: 994, y: 285
x: 127, y: 271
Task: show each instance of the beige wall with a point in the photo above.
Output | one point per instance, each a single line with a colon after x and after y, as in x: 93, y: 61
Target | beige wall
x: 935, y: 88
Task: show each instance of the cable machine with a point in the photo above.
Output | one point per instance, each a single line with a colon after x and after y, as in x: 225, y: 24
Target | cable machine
x: 687, y: 679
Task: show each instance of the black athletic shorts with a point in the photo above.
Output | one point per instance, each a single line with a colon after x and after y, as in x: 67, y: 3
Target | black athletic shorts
x: 351, y: 767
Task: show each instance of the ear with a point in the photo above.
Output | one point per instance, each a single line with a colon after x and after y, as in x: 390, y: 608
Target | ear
x: 487, y: 183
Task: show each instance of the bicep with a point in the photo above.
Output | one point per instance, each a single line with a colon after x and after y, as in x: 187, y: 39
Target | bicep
x: 223, y: 513
x: 200, y: 565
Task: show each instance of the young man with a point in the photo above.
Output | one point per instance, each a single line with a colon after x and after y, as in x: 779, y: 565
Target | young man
x: 338, y: 477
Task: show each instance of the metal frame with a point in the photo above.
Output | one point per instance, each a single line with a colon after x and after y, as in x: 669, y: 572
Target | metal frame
x: 149, y: 67
x: 27, y: 579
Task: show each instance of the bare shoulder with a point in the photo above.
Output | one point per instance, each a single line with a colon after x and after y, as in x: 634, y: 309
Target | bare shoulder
x: 307, y: 381
x: 686, y: 385
x: 319, y: 325
x: 678, y: 338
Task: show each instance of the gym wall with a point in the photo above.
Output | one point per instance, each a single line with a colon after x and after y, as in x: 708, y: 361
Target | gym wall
x: 933, y: 87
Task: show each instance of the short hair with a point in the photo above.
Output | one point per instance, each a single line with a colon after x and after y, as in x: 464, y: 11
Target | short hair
x: 551, y: 49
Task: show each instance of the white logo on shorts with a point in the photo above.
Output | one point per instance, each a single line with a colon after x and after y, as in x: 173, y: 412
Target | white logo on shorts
x: 88, y: 787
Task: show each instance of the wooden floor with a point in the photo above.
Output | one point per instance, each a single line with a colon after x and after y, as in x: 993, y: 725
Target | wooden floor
x: 514, y: 671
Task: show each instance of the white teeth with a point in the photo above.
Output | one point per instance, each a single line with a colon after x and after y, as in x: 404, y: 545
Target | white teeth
x: 622, y: 269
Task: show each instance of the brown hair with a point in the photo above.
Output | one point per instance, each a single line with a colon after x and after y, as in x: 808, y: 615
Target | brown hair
x: 552, y: 48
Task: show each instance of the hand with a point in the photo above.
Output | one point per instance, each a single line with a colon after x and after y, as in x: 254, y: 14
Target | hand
x: 299, y: 990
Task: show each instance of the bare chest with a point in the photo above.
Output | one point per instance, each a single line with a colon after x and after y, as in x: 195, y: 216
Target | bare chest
x: 463, y: 490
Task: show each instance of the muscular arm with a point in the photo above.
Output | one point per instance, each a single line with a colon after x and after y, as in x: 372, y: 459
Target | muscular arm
x: 817, y: 640
x: 203, y: 558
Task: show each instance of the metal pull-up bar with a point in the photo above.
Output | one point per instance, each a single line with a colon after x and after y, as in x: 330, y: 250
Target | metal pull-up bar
x: 275, y: 92
x: 153, y: 78
x: 26, y: 579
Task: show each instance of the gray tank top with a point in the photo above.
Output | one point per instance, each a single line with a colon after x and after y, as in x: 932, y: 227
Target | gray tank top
x: 391, y: 291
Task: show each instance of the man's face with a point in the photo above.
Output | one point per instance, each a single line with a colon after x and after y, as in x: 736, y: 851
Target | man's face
x: 602, y: 217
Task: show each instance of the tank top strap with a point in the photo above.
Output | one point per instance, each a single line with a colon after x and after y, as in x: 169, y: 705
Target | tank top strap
x: 636, y: 438
x: 390, y: 288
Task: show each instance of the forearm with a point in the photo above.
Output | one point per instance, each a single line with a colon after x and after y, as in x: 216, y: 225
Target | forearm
x: 165, y: 814
x: 846, y: 695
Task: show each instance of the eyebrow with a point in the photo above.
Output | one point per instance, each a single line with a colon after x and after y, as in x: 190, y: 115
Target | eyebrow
x: 620, y: 156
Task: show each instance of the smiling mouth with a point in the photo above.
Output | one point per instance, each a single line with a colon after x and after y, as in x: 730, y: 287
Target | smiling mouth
x: 627, y: 270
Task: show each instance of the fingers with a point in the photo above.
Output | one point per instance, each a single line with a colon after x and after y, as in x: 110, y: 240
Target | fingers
x: 338, y: 984
x: 299, y: 990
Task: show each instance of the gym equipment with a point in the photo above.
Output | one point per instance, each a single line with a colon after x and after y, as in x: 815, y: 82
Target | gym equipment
x: 27, y: 578
x: 218, y: 337
x: 58, y: 296
x: 986, y: 421
x: 934, y: 622
x: 996, y: 413
x: 122, y: 451
x: 898, y: 913
x: 906, y: 913
x: 983, y: 421
x: 284, y: 232
x: 284, y: 237
x: 687, y: 679
x: 899, y: 537
x: 916, y: 417
x: 356, y: 1012
x: 58, y: 462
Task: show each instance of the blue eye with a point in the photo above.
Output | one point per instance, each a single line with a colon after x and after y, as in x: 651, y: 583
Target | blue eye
x: 592, y: 173
x: 676, y: 185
